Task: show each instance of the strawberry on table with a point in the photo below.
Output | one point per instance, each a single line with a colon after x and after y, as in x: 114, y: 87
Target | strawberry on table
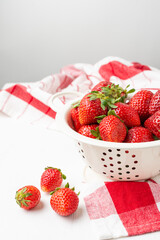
x: 129, y: 115
x: 112, y: 129
x: 28, y: 197
x: 140, y: 102
x: 91, y: 131
x: 139, y: 134
x: 154, y: 105
x: 153, y: 124
x: 64, y: 201
x: 51, y: 179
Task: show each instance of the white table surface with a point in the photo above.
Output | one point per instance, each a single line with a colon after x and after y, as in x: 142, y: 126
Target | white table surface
x: 25, y: 151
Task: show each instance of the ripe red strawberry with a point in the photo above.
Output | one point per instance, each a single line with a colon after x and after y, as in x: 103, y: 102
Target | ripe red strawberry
x: 140, y: 102
x: 139, y: 134
x: 64, y: 201
x: 28, y: 197
x: 51, y: 179
x: 75, y: 118
x: 112, y: 129
x: 153, y: 124
x: 101, y: 84
x: 129, y: 115
x: 87, y: 130
x: 89, y: 109
x: 154, y: 105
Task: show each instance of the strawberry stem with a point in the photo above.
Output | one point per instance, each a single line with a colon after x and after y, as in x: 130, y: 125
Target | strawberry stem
x: 110, y: 95
x: 20, y: 197
x: 67, y: 185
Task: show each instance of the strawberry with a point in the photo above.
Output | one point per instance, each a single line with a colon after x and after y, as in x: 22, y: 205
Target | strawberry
x: 101, y: 84
x: 153, y: 124
x: 75, y: 117
x: 140, y: 102
x: 154, y: 105
x: 51, y: 179
x: 139, y: 134
x: 28, y: 197
x: 89, y: 109
x: 90, y: 131
x: 64, y: 201
x: 97, y: 103
x: 112, y: 129
x: 129, y: 115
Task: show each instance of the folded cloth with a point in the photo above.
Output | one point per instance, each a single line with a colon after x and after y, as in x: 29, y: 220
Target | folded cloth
x: 117, y: 208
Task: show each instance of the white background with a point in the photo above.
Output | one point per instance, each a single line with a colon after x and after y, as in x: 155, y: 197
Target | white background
x: 38, y: 37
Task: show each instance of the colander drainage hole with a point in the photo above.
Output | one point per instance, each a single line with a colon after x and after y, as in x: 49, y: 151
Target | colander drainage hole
x: 126, y: 166
x: 89, y: 166
x: 112, y: 177
x: 83, y: 156
x: 120, y: 178
x: 118, y: 155
x: 133, y: 156
x: 119, y: 168
x: 133, y: 168
x: 119, y: 162
x: 109, y: 150
x: 137, y: 176
x: 120, y: 173
x: 110, y: 158
x: 82, y: 150
x: 104, y: 153
x: 105, y: 165
x: 111, y: 165
x: 104, y: 172
x: 127, y: 172
x: 128, y: 177
x: 118, y: 150
x: 79, y: 143
x: 102, y: 159
x: 135, y: 162
x: 126, y: 151
x: 111, y: 171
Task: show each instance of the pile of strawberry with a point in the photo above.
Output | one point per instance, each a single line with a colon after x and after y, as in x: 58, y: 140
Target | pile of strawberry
x: 105, y: 114
x: 64, y: 201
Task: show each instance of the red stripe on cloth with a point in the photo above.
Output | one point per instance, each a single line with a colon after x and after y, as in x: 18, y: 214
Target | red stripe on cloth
x: 120, y: 70
x: 128, y: 196
x: 20, y: 92
x: 135, y: 205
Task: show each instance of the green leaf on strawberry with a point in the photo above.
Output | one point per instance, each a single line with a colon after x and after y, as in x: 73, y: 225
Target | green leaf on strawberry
x: 96, y: 133
x: 110, y: 95
x: 74, y: 105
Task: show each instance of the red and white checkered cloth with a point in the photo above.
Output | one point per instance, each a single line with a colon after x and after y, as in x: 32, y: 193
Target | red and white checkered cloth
x: 117, y: 208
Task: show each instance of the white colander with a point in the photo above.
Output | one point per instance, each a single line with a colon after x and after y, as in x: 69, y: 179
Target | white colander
x: 117, y: 161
